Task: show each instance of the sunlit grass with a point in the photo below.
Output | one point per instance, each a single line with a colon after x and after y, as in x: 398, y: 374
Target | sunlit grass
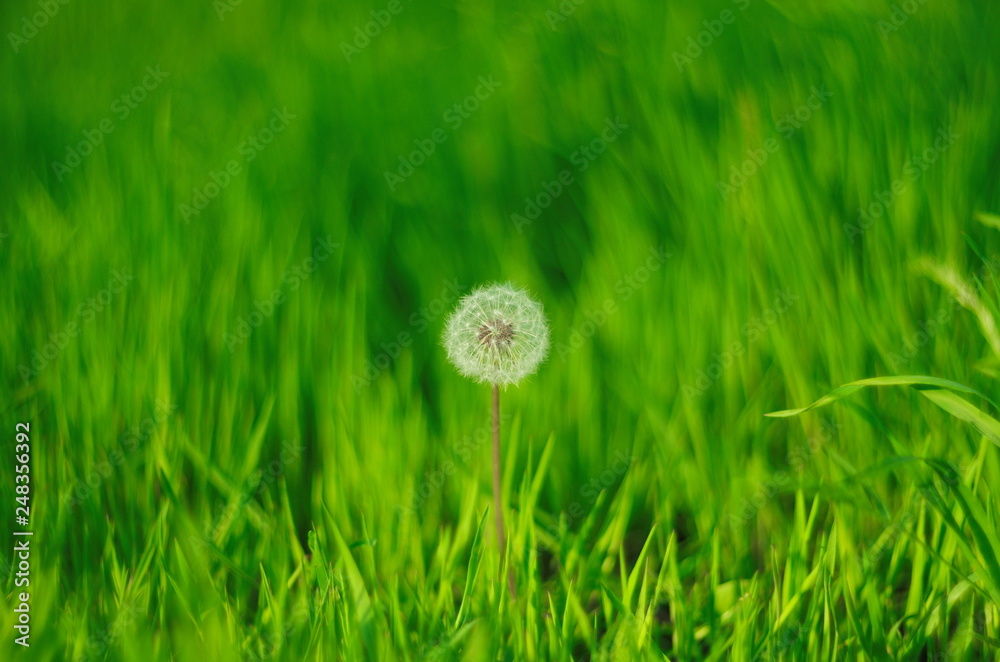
x: 321, y: 488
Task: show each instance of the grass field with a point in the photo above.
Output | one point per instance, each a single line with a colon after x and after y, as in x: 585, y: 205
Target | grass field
x: 231, y: 233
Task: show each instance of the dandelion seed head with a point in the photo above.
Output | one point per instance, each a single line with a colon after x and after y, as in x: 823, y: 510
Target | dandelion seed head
x: 497, y: 334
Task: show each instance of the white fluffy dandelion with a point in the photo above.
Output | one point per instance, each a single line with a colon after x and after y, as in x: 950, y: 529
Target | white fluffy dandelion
x: 498, y: 334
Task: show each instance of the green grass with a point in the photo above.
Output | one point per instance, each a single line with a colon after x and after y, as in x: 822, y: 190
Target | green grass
x: 217, y: 479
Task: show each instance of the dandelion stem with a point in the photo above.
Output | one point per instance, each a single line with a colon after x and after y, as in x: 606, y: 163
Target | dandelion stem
x: 497, y: 507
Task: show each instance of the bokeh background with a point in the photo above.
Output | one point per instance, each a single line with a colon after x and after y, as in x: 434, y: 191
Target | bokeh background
x: 231, y: 233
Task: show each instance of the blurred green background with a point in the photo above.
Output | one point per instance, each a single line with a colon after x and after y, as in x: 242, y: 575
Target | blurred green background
x: 230, y: 235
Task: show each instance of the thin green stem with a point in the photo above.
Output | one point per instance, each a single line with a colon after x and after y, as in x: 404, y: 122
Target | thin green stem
x: 497, y: 503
